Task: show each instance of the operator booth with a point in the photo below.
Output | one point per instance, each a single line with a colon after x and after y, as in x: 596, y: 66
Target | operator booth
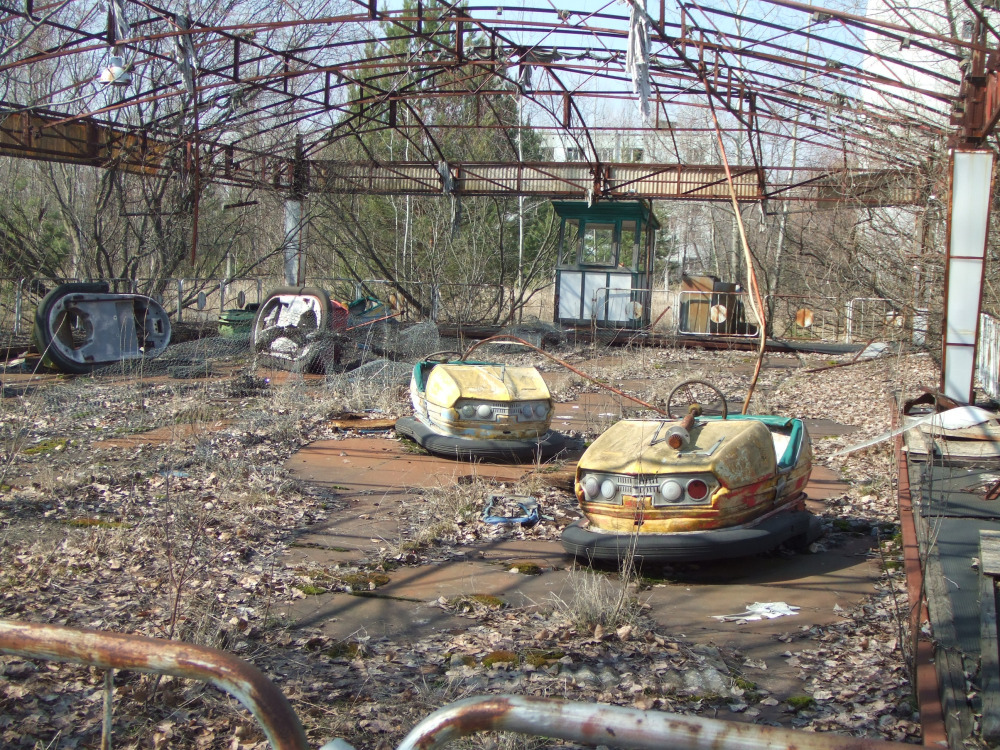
x: 605, y: 263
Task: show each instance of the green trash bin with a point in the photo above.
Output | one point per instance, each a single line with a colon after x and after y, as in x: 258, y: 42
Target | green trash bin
x: 237, y: 321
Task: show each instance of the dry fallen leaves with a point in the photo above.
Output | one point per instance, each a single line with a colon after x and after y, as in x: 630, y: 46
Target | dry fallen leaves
x: 184, y: 538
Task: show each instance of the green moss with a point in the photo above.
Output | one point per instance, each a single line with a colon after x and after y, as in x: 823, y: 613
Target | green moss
x: 841, y: 525
x: 538, y: 657
x: 744, y: 684
x: 800, y: 702
x: 46, y: 446
x: 527, y: 568
x: 95, y: 523
x: 499, y: 657
x: 309, y: 590
x: 343, y: 649
x: 409, y: 446
x: 363, y: 581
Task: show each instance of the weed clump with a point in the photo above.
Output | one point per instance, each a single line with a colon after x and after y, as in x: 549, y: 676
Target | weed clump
x: 344, y: 649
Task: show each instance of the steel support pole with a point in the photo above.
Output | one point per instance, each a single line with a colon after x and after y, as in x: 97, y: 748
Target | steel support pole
x: 968, y: 223
x: 294, y: 242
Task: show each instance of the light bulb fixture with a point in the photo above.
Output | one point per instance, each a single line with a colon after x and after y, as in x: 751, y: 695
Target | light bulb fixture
x: 115, y: 72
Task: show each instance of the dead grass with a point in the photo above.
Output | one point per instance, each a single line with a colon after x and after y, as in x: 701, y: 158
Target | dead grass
x: 599, y: 599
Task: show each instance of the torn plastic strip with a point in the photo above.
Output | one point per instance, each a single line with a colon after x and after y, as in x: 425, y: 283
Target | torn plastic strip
x: 528, y: 505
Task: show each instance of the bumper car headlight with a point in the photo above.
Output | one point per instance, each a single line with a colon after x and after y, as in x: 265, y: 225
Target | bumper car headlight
x: 608, y: 489
x: 484, y: 411
x: 671, y: 491
x: 590, y: 487
x: 541, y: 410
x: 468, y: 411
x: 526, y: 410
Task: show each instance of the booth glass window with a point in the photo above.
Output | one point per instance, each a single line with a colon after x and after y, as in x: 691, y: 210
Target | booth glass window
x: 628, y: 256
x: 570, y: 242
x: 599, y: 244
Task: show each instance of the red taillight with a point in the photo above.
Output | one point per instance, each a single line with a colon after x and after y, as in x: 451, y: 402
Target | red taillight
x: 697, y: 489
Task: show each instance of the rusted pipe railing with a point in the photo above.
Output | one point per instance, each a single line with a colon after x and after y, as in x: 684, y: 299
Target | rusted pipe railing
x: 616, y: 726
x: 241, y: 680
x: 587, y: 723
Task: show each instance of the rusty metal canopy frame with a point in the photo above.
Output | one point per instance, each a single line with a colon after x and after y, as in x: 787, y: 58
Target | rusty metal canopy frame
x: 264, y: 93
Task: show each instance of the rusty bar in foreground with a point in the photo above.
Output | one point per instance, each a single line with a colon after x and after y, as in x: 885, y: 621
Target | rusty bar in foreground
x: 616, y: 726
x: 241, y: 680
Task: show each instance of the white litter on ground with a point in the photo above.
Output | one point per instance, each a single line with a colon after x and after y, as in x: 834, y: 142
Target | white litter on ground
x: 760, y: 611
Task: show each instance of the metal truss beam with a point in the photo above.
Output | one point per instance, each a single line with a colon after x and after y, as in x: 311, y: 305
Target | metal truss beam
x: 90, y: 143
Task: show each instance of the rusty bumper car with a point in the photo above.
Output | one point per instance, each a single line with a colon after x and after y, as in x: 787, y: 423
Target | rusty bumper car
x: 299, y: 329
x: 480, y: 410
x: 705, y: 488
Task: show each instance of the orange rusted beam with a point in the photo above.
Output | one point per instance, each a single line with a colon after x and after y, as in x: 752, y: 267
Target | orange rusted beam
x: 926, y: 688
x: 95, y: 648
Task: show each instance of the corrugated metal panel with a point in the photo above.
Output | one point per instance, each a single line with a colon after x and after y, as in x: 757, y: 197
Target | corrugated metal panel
x: 988, y: 356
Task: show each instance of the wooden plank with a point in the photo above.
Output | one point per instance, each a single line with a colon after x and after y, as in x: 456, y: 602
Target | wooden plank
x: 986, y: 431
x: 948, y: 659
x: 989, y: 553
x: 356, y: 422
x: 989, y: 556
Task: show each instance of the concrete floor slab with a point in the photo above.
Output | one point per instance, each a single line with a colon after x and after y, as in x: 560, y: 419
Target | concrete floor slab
x: 384, y: 467
x: 370, y: 476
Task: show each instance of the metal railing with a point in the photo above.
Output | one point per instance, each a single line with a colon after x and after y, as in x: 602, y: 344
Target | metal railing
x: 988, y: 356
x: 615, y: 726
x: 586, y: 723
x: 796, y: 316
x: 873, y: 318
x: 716, y: 314
x: 614, y: 307
x: 112, y: 651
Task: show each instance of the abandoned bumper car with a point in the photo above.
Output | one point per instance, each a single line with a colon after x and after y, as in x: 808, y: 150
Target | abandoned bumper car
x: 705, y: 488
x: 80, y: 327
x: 480, y: 410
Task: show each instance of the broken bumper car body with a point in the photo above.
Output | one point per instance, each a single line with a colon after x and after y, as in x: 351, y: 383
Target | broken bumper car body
x: 481, y: 411
x: 734, y: 488
x: 299, y: 329
x: 80, y: 327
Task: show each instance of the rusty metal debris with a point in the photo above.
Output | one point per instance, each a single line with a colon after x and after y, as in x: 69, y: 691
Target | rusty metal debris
x: 110, y: 651
x: 614, y: 726
x: 588, y: 723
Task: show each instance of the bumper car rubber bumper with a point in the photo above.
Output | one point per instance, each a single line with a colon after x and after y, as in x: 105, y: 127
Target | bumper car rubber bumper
x: 516, y: 450
x: 798, y: 527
